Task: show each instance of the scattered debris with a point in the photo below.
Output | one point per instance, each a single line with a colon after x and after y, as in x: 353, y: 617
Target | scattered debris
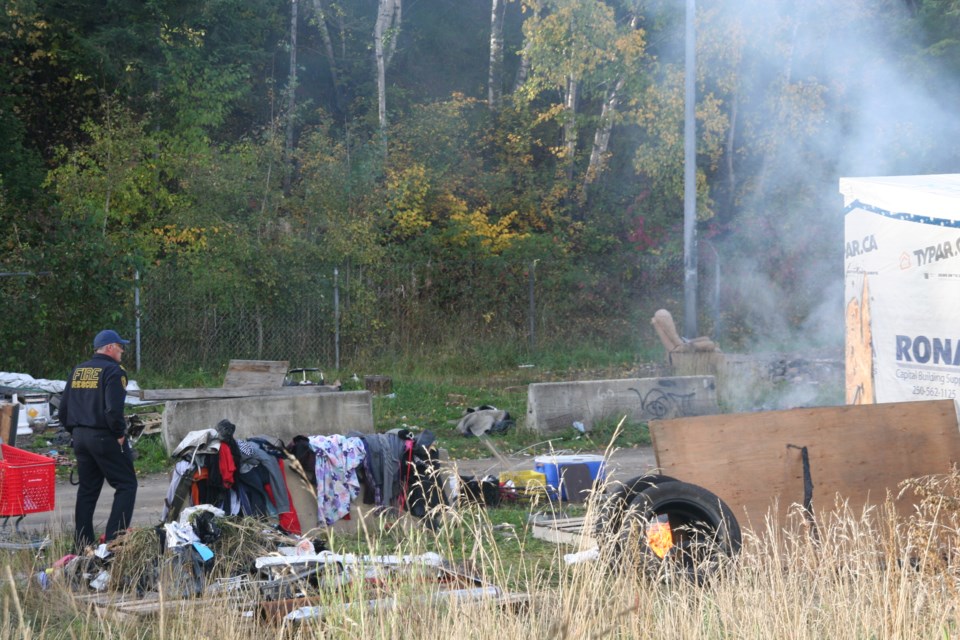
x: 288, y: 583
x: 485, y: 419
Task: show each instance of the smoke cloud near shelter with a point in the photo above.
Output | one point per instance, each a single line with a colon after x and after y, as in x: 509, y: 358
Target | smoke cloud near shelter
x: 819, y: 91
x: 825, y: 90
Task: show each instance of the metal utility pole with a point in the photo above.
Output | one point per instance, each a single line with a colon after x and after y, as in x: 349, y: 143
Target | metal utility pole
x: 690, y: 177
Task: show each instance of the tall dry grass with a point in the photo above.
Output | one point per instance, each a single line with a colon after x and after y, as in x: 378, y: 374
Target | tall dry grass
x: 868, y: 574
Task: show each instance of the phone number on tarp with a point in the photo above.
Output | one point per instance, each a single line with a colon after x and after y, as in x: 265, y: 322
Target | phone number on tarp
x: 934, y: 392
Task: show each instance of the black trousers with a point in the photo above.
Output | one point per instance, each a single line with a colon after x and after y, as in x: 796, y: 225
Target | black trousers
x: 100, y: 457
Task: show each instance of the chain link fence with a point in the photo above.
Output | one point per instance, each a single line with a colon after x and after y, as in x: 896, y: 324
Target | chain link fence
x: 339, y: 313
x: 185, y: 320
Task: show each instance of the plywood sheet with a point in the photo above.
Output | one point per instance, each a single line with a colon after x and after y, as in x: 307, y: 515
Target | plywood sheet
x: 754, y: 460
x: 256, y: 373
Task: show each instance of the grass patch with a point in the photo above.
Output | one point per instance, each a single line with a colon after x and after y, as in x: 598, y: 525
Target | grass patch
x: 869, y: 574
x: 185, y: 379
x: 420, y: 405
x: 152, y: 456
x: 509, y: 363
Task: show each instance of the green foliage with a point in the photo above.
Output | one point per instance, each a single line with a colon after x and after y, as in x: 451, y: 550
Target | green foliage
x: 339, y: 195
x: 940, y: 19
x: 118, y: 181
x: 567, y: 39
x: 81, y: 286
x: 166, y: 153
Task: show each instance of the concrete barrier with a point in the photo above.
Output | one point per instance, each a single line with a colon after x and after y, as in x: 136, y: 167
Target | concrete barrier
x: 553, y: 407
x: 748, y: 382
x: 280, y: 416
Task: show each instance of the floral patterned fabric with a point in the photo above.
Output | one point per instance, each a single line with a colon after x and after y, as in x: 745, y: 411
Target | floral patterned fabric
x: 337, y: 460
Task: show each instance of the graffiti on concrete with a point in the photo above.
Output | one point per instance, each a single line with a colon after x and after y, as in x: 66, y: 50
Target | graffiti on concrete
x: 658, y: 404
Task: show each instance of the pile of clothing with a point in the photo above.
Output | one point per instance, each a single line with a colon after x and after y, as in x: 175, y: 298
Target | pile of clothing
x: 307, y: 482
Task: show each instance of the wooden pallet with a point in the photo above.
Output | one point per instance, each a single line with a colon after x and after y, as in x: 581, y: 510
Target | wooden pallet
x: 563, y: 531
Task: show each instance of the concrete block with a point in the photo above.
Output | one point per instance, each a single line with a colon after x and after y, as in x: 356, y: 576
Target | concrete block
x: 747, y: 382
x: 280, y: 416
x: 553, y: 407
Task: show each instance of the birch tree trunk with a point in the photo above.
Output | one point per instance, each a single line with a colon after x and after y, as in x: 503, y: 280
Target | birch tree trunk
x: 570, y: 119
x: 320, y: 11
x: 384, y: 44
x: 601, y: 137
x: 291, y: 100
x: 494, y: 89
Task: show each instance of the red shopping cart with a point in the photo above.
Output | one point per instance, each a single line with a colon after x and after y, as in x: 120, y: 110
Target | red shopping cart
x: 26, y: 485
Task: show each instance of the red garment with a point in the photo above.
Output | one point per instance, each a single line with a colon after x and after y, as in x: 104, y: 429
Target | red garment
x: 287, y: 520
x: 290, y: 521
x: 227, y: 467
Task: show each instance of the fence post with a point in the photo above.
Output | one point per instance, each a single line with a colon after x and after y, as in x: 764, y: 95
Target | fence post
x: 336, y: 318
x: 136, y: 312
x: 533, y: 307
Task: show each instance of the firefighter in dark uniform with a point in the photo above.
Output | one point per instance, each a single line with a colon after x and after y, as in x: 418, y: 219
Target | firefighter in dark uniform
x: 91, y: 409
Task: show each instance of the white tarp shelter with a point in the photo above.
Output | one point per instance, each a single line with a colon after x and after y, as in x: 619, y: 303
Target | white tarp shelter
x: 902, y: 291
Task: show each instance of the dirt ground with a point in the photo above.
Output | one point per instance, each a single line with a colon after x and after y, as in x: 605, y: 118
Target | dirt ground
x: 622, y: 464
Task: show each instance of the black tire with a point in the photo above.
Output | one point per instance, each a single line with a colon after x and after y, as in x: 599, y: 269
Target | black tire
x: 704, y: 536
x: 615, y: 501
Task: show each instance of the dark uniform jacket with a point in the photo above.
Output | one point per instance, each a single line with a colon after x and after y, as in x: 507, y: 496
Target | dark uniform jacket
x: 94, y: 396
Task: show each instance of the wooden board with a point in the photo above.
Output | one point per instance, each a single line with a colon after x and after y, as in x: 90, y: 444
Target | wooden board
x: 129, y: 607
x: 859, y: 452
x: 256, y: 373
x: 9, y: 413
x: 213, y: 393
x: 562, y: 531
